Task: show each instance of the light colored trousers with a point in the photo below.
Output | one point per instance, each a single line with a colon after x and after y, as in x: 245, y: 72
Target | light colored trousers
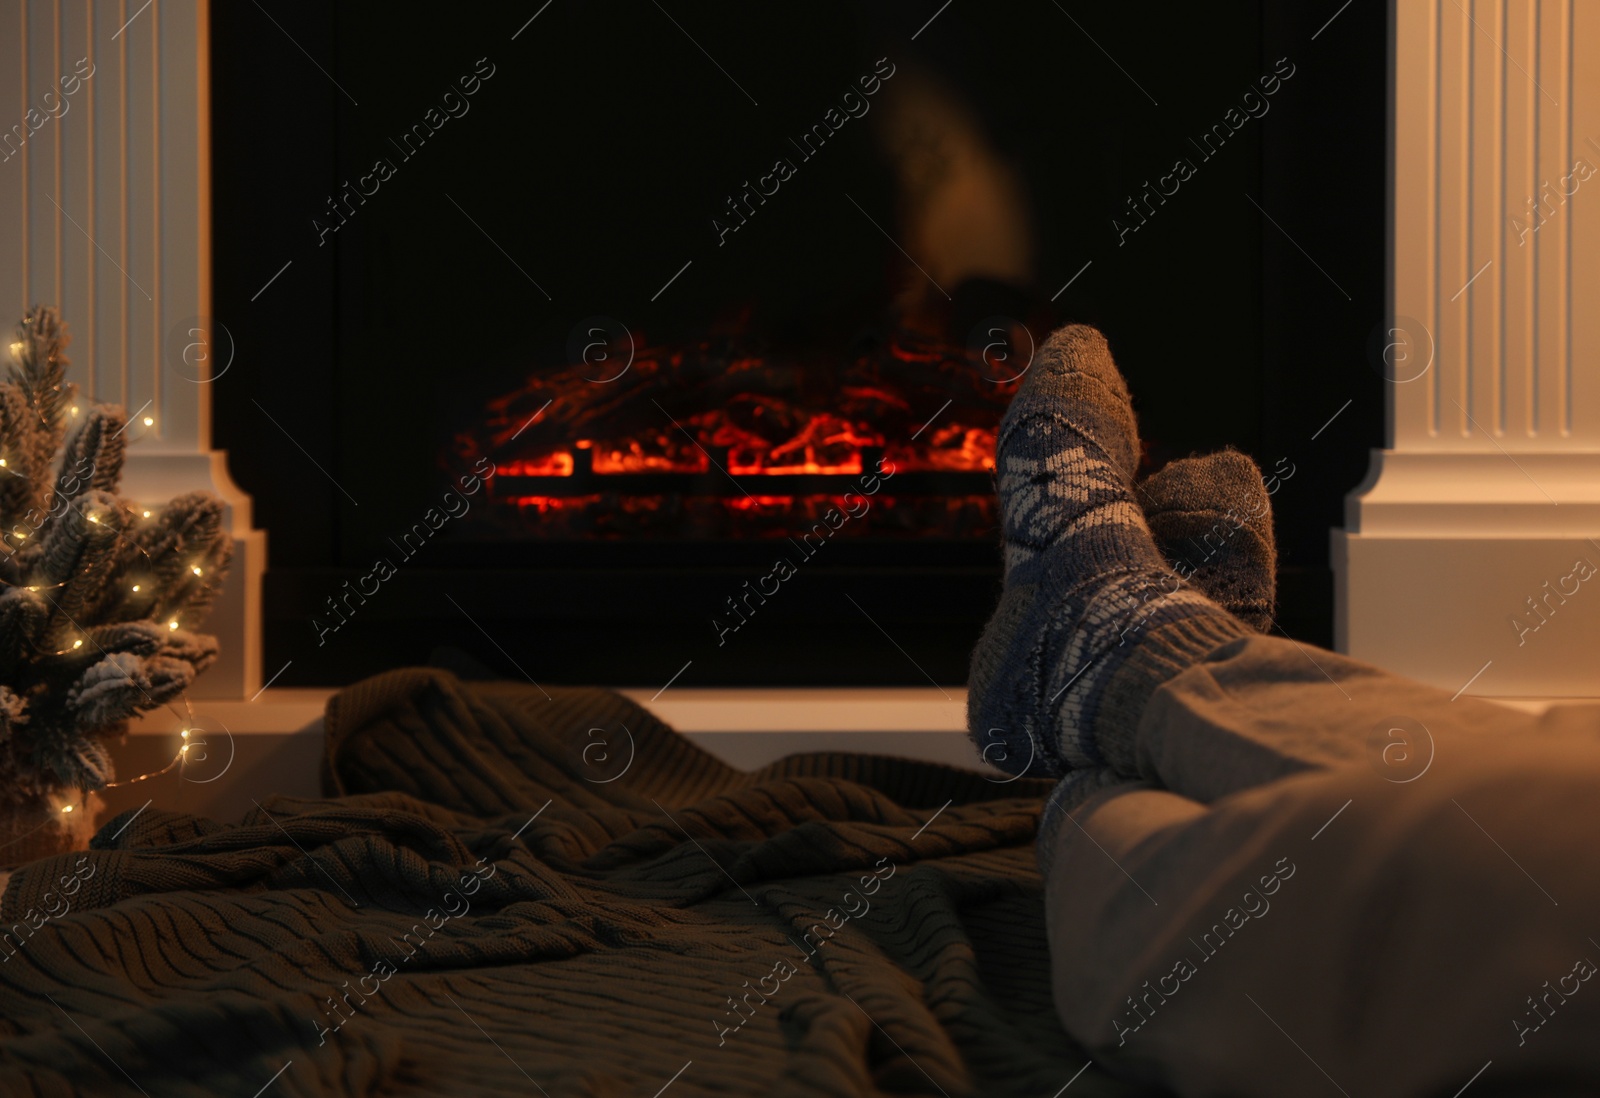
x: 1333, y: 880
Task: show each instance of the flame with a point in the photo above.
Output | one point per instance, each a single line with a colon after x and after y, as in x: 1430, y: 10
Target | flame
x: 914, y: 399
x: 632, y: 457
x: 952, y: 449
x: 558, y: 464
x: 825, y: 446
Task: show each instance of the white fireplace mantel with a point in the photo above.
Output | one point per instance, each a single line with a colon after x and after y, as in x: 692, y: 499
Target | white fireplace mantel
x: 105, y: 211
x: 1489, y: 491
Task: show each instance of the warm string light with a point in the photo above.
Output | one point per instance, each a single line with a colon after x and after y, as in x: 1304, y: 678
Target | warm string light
x: 172, y: 624
x: 94, y: 518
x: 19, y: 535
x: 34, y: 586
x: 187, y: 717
x: 178, y: 760
x: 149, y: 421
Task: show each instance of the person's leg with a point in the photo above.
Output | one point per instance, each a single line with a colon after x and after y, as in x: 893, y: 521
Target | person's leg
x: 1093, y: 622
x: 1439, y: 890
x: 1262, y: 708
x: 1337, y: 931
x: 1399, y: 920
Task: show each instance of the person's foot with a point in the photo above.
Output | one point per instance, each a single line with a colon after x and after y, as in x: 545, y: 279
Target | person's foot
x: 1211, y: 518
x: 1092, y: 619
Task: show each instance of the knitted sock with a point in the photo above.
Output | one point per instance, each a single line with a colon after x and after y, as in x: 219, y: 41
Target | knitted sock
x: 1091, y: 620
x: 1211, y: 518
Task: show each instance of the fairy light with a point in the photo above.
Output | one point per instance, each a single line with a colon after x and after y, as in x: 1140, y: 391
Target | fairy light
x: 178, y: 759
x: 77, y: 644
x: 173, y: 624
x: 147, y: 514
x: 74, y: 409
x: 136, y: 587
x: 65, y: 809
x: 149, y: 421
x: 195, y: 568
x: 94, y: 518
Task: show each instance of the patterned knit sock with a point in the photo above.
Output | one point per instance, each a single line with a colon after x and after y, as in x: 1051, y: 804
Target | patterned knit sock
x: 1211, y: 518
x: 1091, y: 620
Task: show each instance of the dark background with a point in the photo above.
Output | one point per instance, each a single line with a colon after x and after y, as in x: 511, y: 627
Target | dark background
x: 597, y: 155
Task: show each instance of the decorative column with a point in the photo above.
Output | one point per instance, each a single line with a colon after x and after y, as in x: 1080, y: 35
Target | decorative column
x: 105, y: 211
x: 1469, y: 556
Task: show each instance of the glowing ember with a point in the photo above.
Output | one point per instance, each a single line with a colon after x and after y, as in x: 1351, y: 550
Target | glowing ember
x: 670, y: 447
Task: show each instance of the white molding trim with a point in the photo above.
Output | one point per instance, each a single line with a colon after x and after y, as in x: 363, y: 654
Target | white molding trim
x: 105, y: 211
x: 274, y: 744
x: 1489, y: 490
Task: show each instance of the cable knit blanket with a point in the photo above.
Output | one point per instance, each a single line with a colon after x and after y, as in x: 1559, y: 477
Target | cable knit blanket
x: 509, y: 893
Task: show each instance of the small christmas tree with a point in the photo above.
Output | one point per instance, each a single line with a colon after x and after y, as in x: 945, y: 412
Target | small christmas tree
x: 98, y: 597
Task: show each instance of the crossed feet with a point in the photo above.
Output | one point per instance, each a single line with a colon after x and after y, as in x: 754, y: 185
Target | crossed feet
x: 1111, y: 587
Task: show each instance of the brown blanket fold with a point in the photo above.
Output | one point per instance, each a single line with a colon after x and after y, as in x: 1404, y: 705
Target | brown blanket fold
x: 509, y: 893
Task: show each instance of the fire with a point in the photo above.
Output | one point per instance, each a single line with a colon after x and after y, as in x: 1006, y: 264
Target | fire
x: 954, y: 448
x: 632, y: 457
x: 558, y: 464
x: 674, y: 446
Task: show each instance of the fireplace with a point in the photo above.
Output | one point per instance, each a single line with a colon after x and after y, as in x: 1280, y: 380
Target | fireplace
x: 565, y: 377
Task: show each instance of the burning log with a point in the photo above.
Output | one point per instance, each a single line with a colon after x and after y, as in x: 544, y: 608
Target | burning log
x: 722, y: 424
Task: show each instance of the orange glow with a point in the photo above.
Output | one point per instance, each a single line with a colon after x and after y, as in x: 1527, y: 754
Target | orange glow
x: 810, y: 465
x: 551, y: 465
x: 826, y: 446
x: 952, y: 449
x: 632, y: 464
x: 634, y: 458
x: 547, y: 504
